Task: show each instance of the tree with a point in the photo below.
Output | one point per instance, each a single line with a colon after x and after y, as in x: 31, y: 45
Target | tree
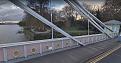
x: 39, y: 6
x: 70, y: 14
x: 111, y: 10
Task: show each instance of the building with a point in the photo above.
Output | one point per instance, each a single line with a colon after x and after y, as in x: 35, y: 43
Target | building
x: 114, y: 25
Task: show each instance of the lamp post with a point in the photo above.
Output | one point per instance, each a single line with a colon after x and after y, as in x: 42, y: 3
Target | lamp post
x: 51, y: 7
x: 51, y: 21
x: 88, y: 28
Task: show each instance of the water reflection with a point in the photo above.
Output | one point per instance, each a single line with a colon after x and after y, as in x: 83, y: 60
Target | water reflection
x: 11, y: 34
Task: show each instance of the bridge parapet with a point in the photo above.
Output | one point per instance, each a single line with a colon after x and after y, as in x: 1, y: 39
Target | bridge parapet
x: 15, y: 52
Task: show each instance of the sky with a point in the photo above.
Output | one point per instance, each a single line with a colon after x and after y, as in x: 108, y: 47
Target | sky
x: 9, y: 12
x: 59, y: 4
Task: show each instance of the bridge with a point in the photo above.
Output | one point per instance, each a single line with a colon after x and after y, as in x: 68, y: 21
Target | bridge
x: 17, y: 52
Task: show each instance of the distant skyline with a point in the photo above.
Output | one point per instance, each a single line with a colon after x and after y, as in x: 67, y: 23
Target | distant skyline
x: 9, y: 11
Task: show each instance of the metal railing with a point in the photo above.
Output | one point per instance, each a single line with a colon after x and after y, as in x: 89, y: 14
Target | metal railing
x: 15, y: 52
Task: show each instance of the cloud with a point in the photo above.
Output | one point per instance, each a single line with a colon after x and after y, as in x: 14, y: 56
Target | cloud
x: 9, y: 11
x: 94, y: 2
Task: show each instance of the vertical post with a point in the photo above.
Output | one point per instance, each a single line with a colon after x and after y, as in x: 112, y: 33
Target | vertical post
x: 62, y: 43
x: 71, y: 45
x: 88, y: 27
x: 52, y: 27
x: 40, y: 49
x: 51, y: 18
x: 88, y: 32
x: 5, y: 54
x: 25, y: 51
x: 52, y: 46
x: 77, y: 44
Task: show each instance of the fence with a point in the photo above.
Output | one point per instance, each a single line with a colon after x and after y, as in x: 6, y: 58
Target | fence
x: 15, y: 52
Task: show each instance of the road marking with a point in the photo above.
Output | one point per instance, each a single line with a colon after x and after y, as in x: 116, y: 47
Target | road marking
x: 103, y: 55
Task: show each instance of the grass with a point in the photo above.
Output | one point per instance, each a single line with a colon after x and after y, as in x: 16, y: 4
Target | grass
x: 72, y: 31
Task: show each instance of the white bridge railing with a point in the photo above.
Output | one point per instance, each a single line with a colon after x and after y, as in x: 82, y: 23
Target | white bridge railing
x: 15, y: 52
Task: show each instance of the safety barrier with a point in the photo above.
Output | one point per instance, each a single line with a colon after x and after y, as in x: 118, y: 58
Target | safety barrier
x: 15, y: 52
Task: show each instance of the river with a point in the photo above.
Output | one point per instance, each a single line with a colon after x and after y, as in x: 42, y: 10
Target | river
x: 10, y: 34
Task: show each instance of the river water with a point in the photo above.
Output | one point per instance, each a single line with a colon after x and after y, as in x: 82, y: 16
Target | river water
x: 10, y: 34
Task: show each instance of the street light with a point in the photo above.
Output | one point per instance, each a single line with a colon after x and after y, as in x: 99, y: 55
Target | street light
x: 51, y: 9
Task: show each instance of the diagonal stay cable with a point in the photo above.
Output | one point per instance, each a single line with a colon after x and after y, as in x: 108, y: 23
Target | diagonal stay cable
x: 80, y: 4
x: 79, y: 10
x: 42, y: 19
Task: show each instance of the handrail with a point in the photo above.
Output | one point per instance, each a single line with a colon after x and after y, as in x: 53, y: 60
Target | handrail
x: 24, y: 50
x: 46, y: 40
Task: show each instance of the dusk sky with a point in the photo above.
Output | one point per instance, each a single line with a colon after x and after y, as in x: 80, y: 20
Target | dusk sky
x: 8, y: 11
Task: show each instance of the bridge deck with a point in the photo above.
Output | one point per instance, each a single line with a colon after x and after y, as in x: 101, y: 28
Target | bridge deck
x: 77, y: 55
x: 115, y: 57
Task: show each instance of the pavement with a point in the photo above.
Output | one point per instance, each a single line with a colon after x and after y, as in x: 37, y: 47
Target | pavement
x: 115, y: 57
x: 77, y: 55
